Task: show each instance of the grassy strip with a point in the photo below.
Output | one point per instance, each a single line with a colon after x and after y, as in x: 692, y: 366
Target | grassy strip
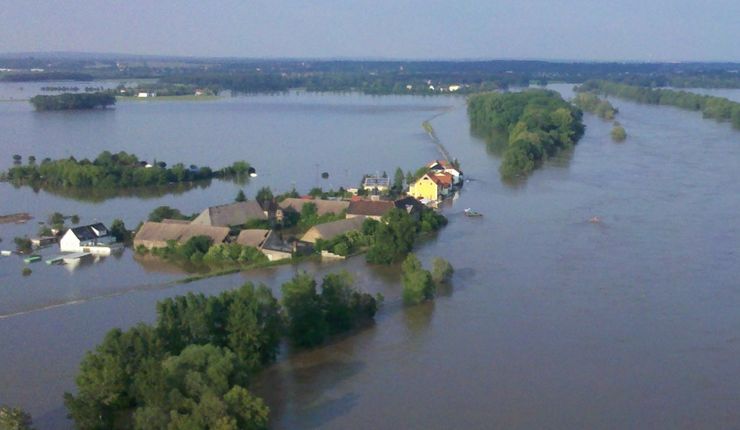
x: 232, y: 270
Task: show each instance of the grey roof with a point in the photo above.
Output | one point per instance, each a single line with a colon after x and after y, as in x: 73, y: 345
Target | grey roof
x: 370, y: 207
x: 332, y: 229
x: 230, y: 215
x: 409, y: 204
x: 273, y: 242
x: 163, y: 232
x: 322, y: 206
x: 252, y: 237
x: 90, y: 232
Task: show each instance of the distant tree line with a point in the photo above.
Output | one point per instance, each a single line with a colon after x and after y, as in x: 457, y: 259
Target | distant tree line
x: 373, y: 83
x: 162, y: 89
x: 113, y: 171
x: 718, y: 108
x: 374, y: 75
x: 692, y: 79
x: 46, y: 76
x: 73, y: 101
x: 193, y: 367
x: 538, y: 123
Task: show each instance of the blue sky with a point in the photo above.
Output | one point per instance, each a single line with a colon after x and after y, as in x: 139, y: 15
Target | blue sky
x: 646, y: 30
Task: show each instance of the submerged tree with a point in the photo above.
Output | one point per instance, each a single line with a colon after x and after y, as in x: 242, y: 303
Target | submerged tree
x: 14, y: 419
x: 618, y: 133
x: 418, y: 285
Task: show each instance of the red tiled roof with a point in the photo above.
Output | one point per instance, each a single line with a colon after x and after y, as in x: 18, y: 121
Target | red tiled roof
x: 444, y: 163
x: 443, y: 179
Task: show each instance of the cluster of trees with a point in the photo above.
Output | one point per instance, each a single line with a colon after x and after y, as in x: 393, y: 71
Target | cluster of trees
x: 538, y: 123
x: 590, y: 102
x: 191, y: 369
x: 618, y: 133
x: 165, y: 212
x: 310, y: 217
x: 313, y: 316
x: 386, y: 241
x: 718, y: 108
x: 395, y: 235
x: 420, y: 284
x: 73, y: 101
x: 113, y: 171
x: 351, y: 242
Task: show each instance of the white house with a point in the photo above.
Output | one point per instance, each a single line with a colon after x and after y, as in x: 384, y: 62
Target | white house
x: 94, y: 238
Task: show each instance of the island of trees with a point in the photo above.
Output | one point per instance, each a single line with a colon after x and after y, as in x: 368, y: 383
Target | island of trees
x: 112, y: 171
x: 193, y: 367
x: 538, y: 123
x: 73, y: 101
x: 718, y: 108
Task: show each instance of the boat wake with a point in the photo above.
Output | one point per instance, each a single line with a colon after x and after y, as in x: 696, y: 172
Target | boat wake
x: 82, y: 300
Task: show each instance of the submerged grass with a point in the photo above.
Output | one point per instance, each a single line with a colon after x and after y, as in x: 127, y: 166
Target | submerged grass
x: 236, y: 269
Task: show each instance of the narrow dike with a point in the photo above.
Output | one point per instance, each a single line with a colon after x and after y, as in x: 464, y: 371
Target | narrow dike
x: 429, y: 129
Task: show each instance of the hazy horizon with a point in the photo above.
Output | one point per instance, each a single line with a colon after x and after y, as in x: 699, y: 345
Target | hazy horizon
x: 538, y: 30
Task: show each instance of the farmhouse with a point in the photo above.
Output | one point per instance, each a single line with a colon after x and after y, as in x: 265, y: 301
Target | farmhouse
x: 411, y: 206
x: 330, y: 230
x: 157, y: 234
x: 252, y: 237
x: 374, y: 209
x: 87, y: 238
x: 323, y: 207
x: 268, y: 242
x: 231, y: 215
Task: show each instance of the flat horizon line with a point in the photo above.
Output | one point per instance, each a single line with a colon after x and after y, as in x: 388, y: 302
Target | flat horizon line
x: 24, y: 54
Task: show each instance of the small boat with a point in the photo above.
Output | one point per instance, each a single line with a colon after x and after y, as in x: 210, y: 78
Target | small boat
x: 32, y: 258
x: 5, y: 252
x: 471, y: 213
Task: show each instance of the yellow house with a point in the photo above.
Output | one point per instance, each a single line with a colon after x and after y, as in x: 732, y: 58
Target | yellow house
x: 425, y: 187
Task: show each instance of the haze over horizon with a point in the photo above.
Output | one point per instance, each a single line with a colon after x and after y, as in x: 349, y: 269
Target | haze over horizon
x: 571, y: 30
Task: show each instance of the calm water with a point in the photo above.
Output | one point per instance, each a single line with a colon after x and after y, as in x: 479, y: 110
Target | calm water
x: 290, y: 139
x: 552, y: 322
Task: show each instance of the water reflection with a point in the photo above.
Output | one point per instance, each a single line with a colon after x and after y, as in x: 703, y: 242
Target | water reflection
x: 99, y: 195
x: 154, y: 264
x: 314, y: 408
x: 418, y: 318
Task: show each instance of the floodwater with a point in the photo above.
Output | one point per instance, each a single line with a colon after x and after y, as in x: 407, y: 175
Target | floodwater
x: 552, y: 321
